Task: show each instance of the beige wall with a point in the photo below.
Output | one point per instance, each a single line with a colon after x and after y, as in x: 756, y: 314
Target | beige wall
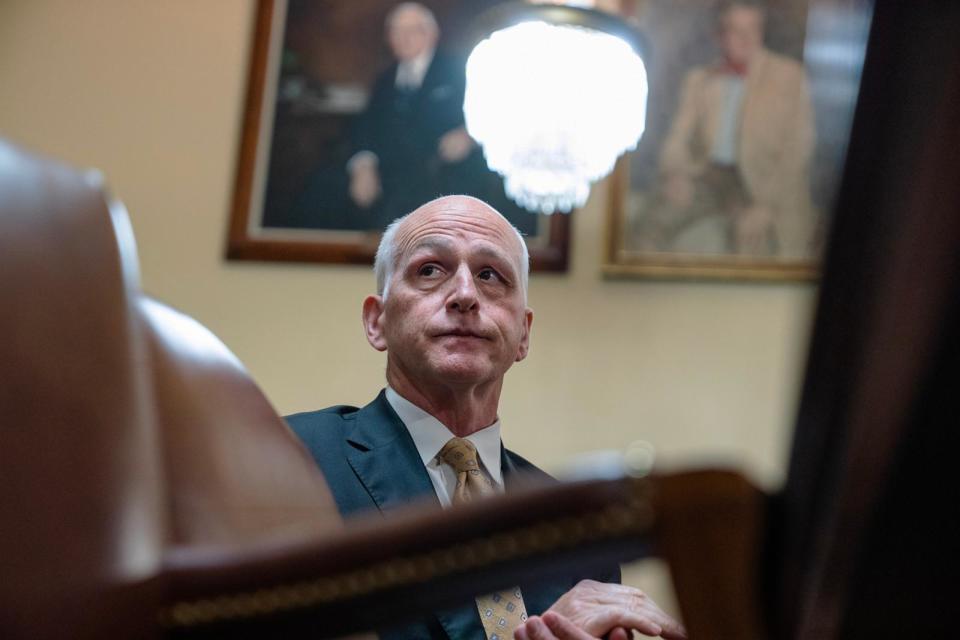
x: 150, y: 92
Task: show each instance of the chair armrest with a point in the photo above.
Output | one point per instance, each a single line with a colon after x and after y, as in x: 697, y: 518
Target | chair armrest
x: 709, y: 529
x: 378, y: 570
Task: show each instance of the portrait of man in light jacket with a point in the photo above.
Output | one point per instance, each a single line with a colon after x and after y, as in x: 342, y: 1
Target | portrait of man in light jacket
x: 734, y: 168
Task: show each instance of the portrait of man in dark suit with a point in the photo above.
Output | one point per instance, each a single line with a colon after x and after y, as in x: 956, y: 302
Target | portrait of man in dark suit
x: 369, y: 117
x: 410, y: 142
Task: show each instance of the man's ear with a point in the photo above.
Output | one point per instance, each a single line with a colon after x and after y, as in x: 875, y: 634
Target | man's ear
x: 373, y: 322
x: 524, y: 347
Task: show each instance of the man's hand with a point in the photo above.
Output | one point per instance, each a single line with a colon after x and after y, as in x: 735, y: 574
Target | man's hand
x: 594, y: 609
x: 455, y: 145
x: 364, y: 184
x: 753, y: 229
x: 678, y: 190
x: 553, y: 626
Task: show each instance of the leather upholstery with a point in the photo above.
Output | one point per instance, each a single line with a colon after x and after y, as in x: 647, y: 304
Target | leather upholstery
x: 234, y: 470
x: 80, y: 483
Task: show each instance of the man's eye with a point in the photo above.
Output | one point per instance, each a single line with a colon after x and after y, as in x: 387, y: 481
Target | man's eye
x: 489, y: 274
x: 428, y: 270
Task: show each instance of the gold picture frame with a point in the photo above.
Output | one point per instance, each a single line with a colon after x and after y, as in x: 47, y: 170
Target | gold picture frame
x: 798, y: 101
x: 311, y: 68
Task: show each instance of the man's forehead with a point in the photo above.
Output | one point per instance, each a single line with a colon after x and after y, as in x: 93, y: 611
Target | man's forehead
x: 442, y: 243
x: 408, y: 17
x: 446, y: 222
x: 743, y: 13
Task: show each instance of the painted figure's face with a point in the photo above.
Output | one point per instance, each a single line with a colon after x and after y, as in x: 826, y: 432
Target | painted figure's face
x: 741, y: 34
x: 409, y: 35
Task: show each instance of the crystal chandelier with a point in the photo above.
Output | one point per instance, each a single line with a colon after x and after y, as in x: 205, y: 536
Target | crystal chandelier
x: 554, y: 98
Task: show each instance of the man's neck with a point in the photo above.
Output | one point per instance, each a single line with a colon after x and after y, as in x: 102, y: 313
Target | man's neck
x: 423, y: 59
x: 463, y: 410
x: 417, y: 66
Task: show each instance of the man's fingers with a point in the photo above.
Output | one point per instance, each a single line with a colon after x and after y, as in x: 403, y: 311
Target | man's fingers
x: 600, y: 609
x: 563, y: 629
x: 521, y: 632
x: 674, y: 631
x: 670, y: 628
x: 667, y: 627
x: 647, y: 621
x: 631, y: 620
x: 534, y: 629
x: 619, y: 634
x: 641, y: 614
x: 679, y: 633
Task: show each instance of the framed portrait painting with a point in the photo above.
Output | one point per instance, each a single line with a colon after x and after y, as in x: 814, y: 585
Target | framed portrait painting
x: 354, y: 117
x: 747, y: 123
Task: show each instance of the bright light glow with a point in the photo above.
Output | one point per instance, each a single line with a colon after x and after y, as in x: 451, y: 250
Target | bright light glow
x: 553, y: 108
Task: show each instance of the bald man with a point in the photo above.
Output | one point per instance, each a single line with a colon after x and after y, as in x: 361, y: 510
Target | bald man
x: 451, y: 314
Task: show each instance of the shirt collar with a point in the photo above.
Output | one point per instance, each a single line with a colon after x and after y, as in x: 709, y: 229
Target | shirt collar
x: 413, y: 71
x: 429, y: 435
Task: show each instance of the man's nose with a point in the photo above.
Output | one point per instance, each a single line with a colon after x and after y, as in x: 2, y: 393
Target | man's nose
x: 463, y: 296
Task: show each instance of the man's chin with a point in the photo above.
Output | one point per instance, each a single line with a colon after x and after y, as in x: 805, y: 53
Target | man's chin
x: 465, y: 377
x: 465, y: 371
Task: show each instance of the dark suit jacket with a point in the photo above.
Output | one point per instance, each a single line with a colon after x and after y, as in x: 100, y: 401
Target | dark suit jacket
x: 371, y: 462
x: 404, y: 128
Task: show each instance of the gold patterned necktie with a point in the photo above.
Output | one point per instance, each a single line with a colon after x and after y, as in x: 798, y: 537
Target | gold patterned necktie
x: 503, y: 611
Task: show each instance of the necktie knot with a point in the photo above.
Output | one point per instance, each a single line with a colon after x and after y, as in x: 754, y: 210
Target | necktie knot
x: 460, y: 454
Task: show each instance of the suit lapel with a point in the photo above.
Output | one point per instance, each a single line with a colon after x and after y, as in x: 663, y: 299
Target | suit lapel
x: 382, y: 454
x: 430, y: 78
x: 751, y: 115
x: 508, y: 469
x: 387, y: 463
x: 437, y: 86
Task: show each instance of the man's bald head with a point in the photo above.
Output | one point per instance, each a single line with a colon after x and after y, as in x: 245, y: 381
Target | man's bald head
x: 445, y: 213
x: 412, y: 30
x: 412, y: 11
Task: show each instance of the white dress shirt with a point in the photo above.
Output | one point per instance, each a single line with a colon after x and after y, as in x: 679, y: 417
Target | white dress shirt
x: 429, y: 435
x: 410, y: 73
x: 725, y: 145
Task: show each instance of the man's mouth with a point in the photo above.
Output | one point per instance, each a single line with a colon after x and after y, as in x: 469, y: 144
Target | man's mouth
x: 460, y: 333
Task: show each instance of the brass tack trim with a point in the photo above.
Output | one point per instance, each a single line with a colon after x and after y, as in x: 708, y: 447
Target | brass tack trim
x: 635, y: 517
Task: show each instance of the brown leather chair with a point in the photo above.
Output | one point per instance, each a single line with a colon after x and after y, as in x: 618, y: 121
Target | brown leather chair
x: 234, y: 471
x: 83, y: 506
